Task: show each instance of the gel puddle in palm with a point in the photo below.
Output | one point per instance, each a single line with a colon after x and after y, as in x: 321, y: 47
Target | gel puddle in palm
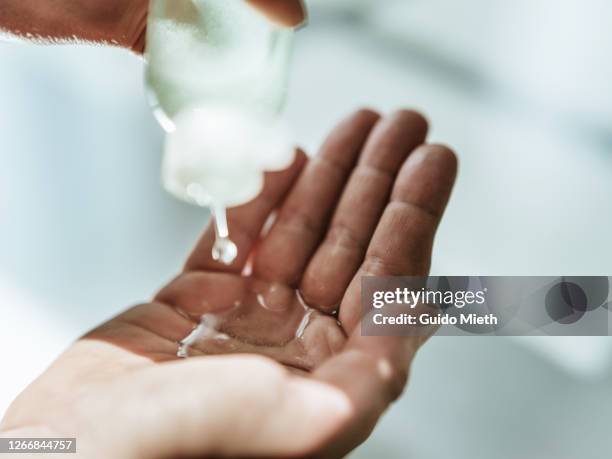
x: 248, y: 315
x: 216, y: 72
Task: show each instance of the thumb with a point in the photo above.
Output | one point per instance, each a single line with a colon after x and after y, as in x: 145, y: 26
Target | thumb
x: 290, y: 13
x: 230, y: 406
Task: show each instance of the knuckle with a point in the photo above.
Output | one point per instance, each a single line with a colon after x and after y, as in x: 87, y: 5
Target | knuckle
x: 344, y: 235
x: 294, y: 218
x: 173, y: 293
x: 380, y: 265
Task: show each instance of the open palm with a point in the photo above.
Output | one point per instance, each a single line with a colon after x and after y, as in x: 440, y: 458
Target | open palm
x: 368, y: 204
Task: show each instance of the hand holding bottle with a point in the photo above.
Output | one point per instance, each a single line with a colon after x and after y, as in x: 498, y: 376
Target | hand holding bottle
x: 119, y: 22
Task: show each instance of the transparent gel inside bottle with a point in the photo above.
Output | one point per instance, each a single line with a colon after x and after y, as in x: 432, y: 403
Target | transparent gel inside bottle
x: 217, y: 80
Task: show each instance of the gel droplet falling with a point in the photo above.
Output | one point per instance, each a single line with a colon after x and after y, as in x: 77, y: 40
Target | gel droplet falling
x: 224, y: 250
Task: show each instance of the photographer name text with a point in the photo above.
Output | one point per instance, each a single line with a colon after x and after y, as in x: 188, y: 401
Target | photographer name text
x: 413, y: 298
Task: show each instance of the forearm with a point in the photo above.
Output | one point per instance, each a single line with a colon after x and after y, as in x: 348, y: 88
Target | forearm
x: 111, y: 21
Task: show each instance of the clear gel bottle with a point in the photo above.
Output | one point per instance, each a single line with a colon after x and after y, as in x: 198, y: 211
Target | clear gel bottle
x: 217, y: 75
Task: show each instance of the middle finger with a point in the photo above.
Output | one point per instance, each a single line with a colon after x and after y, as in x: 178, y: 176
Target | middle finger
x: 339, y: 256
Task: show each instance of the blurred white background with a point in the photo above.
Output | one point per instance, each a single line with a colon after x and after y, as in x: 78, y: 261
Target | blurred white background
x: 520, y: 89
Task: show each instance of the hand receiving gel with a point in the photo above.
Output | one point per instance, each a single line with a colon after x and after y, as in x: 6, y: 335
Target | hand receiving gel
x: 217, y: 75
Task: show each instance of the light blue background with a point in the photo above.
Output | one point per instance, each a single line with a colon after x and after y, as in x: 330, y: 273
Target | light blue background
x: 520, y: 89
